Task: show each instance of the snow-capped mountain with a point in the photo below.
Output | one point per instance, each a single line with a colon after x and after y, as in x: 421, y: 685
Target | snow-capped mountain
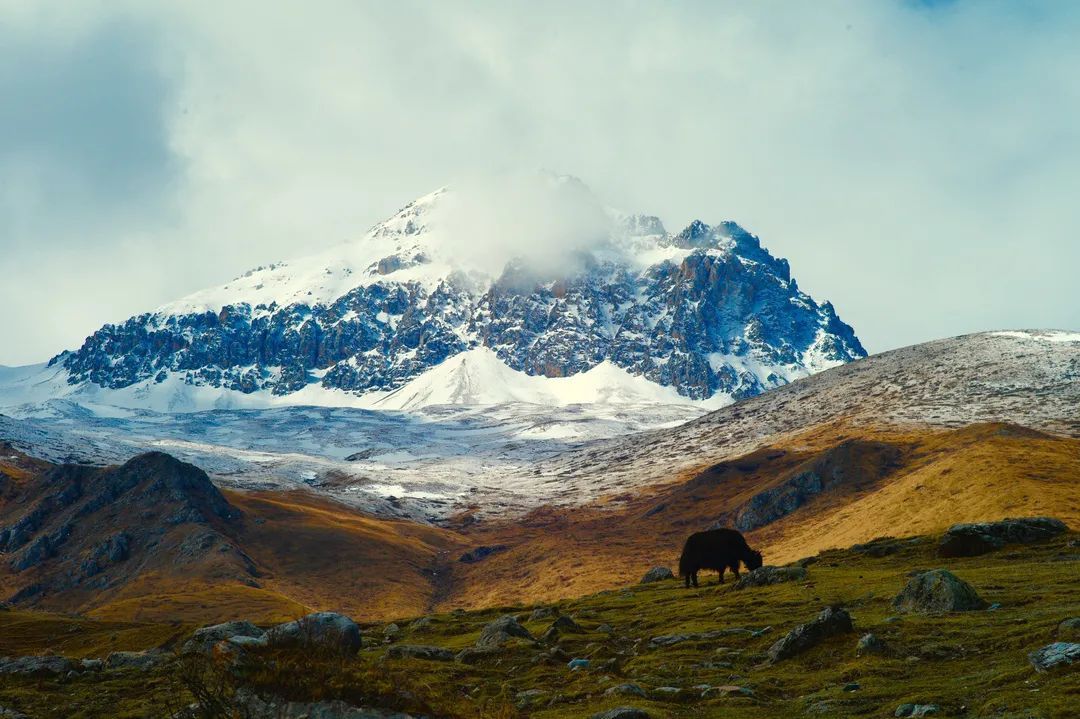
x: 703, y: 313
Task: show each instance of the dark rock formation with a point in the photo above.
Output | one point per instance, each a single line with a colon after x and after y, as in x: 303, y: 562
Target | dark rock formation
x: 831, y: 622
x: 501, y: 630
x: 764, y: 576
x: 969, y: 540
x: 321, y: 630
x: 657, y: 574
x: 937, y: 591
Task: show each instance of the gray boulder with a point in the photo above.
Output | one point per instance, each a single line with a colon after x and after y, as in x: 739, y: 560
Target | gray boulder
x: 970, y: 540
x: 625, y: 690
x: 420, y: 651
x: 830, y: 622
x: 143, y: 661
x: 322, y: 630
x: 764, y: 576
x: 935, y: 592
x: 916, y: 710
x: 622, y: 713
x: 38, y: 666
x: 567, y: 625
x: 657, y: 574
x: 870, y: 644
x: 500, y: 631
x: 258, y: 707
x: 543, y: 613
x: 203, y: 640
x: 1055, y: 655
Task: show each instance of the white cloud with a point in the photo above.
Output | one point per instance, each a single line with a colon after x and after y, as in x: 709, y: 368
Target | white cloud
x: 916, y: 164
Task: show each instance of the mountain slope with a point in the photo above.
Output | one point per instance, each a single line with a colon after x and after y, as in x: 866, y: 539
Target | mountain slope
x: 706, y: 311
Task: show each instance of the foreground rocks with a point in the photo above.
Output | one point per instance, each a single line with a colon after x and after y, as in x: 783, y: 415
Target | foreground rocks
x: 936, y: 592
x: 324, y: 630
x: 657, y: 574
x: 764, y: 576
x: 1052, y: 656
x: 256, y: 707
x: 830, y: 622
x: 420, y: 651
x: 970, y: 540
x: 502, y: 630
x: 622, y: 713
x: 203, y: 640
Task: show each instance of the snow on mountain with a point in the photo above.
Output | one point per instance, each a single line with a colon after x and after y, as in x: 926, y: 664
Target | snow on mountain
x: 553, y: 287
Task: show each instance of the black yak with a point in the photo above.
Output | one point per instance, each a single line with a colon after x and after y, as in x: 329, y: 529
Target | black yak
x: 716, y: 549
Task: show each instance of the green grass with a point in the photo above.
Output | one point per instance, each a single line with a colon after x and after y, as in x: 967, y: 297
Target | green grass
x: 970, y: 664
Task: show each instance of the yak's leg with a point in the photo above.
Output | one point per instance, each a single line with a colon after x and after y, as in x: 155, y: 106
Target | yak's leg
x: 694, y: 577
x: 720, y: 578
x: 687, y: 579
x: 735, y: 570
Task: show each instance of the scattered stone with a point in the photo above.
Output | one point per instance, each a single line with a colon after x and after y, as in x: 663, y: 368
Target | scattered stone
x: 500, y: 631
x: 390, y: 632
x: 852, y: 687
x: 870, y: 644
x: 605, y: 629
x: 994, y: 607
x: 421, y: 624
x: 252, y: 705
x: 726, y: 691
x: 830, y: 622
x: 937, y: 591
x: 37, y: 666
x: 323, y: 630
x: 622, y: 713
x: 474, y: 655
x: 143, y: 661
x: 203, y: 640
x: 657, y: 574
x: 543, y: 613
x: 420, y: 651
x: 526, y: 698
x: 578, y: 663
x: 970, y: 540
x: 11, y: 714
x: 1055, y: 655
x: 916, y: 710
x: 92, y: 665
x: 567, y: 625
x: 669, y: 640
x: 764, y: 576
x: 625, y: 690
x: 667, y: 692
x: 1068, y: 628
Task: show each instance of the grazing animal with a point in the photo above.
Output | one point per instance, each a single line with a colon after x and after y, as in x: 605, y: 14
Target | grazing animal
x: 717, y: 549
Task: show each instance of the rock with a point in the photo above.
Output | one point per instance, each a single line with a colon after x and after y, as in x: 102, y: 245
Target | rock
x: 764, y: 576
x: 970, y: 540
x: 203, y: 639
x: 143, y: 661
x: 260, y: 707
x: 1068, y: 628
x: 830, y: 622
x: 726, y: 691
x: 473, y: 655
x: 625, y: 690
x: 322, y: 630
x: 916, y: 710
x: 390, y: 631
x: 92, y: 665
x: 11, y: 714
x: 543, y: 613
x: 657, y: 574
x: 670, y: 640
x: 567, y: 625
x: 937, y: 591
x: 605, y: 629
x: 525, y: 699
x: 869, y: 644
x: 420, y: 651
x: 501, y: 630
x: 852, y: 687
x: 1055, y: 655
x: 578, y: 664
x: 621, y: 713
x: 38, y: 666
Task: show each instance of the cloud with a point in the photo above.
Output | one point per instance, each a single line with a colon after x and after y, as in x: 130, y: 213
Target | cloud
x: 915, y: 161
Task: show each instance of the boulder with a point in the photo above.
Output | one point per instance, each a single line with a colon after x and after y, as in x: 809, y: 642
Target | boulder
x: 203, y: 640
x: 657, y: 574
x: 870, y: 644
x: 1068, y: 628
x: 38, y: 666
x: 578, y: 663
x: 420, y: 651
x: 764, y: 576
x: 622, y: 713
x: 11, y: 714
x: 937, y: 591
x: 500, y: 631
x: 970, y: 540
x: 916, y: 710
x: 143, y: 661
x: 566, y: 625
x: 625, y: 690
x: 1055, y: 655
x: 260, y: 707
x: 322, y: 630
x: 830, y: 622
x: 543, y: 613
x: 525, y: 699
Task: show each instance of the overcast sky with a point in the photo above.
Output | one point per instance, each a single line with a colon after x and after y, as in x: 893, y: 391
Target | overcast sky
x: 917, y: 162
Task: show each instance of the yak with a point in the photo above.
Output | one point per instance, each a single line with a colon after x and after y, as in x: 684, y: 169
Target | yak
x: 716, y: 549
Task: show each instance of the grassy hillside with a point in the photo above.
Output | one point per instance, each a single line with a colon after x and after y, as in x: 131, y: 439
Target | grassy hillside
x: 970, y: 664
